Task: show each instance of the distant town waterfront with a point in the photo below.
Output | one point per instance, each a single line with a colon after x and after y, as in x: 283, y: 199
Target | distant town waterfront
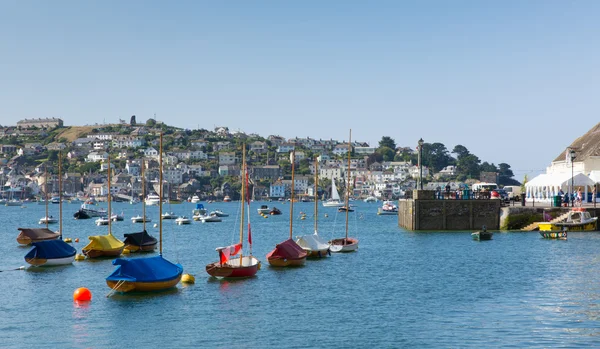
x: 206, y: 163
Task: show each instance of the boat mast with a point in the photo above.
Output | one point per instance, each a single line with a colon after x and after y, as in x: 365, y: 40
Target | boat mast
x: 160, y: 193
x: 292, y: 196
x: 242, y: 198
x: 46, y: 192
x: 108, y: 195
x: 143, y: 195
x: 59, y: 196
x: 348, y: 185
x: 316, y: 193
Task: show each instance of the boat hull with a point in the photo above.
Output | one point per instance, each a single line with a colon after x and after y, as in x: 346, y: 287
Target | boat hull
x: 284, y: 262
x: 93, y: 253
x: 43, y: 262
x: 333, y: 204
x: 134, y: 286
x: 343, y: 245
x: 589, y: 226
x: 143, y: 248
x: 479, y: 236
x: 28, y: 240
x: 249, y: 268
x: 315, y: 254
x: 560, y: 235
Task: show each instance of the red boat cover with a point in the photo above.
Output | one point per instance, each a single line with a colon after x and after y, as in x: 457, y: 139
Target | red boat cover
x: 288, y: 249
x: 226, y: 252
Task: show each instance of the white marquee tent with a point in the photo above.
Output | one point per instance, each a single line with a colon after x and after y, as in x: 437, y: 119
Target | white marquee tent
x: 545, y: 186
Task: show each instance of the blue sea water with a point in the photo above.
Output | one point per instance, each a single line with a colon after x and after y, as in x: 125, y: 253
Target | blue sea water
x: 401, y: 289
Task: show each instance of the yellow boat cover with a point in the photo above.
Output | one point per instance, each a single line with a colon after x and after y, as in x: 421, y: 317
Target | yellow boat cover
x: 104, y: 243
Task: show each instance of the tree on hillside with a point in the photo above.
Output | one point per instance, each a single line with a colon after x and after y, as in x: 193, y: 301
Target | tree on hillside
x: 373, y: 158
x: 505, y: 175
x: 487, y: 167
x: 386, y: 153
x: 387, y: 142
x: 436, y: 156
x: 460, y: 151
x: 468, y: 167
x: 151, y: 123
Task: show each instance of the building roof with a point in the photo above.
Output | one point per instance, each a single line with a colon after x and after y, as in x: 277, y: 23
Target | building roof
x: 584, y: 146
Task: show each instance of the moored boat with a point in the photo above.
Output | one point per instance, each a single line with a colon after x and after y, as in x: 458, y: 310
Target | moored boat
x: 388, y: 208
x: 345, y: 244
x: 264, y: 209
x: 183, y: 220
x: 288, y: 253
x: 28, y: 236
x: 313, y: 244
x: 242, y: 266
x: 577, y: 219
x: 483, y: 234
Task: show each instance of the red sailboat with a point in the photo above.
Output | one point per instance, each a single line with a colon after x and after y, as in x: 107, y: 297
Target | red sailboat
x: 288, y: 253
x: 242, y: 266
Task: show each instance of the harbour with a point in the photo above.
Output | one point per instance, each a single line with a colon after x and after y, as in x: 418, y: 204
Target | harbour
x: 400, y: 289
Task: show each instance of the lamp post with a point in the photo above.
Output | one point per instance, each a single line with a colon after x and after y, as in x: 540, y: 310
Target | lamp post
x: 572, y: 155
x: 420, y: 164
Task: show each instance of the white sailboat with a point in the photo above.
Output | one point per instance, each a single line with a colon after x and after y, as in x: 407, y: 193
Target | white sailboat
x: 334, y: 201
x: 313, y: 244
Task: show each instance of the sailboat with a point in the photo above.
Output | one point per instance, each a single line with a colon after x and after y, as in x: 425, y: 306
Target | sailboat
x: 141, y: 241
x: 52, y: 252
x: 288, y: 253
x: 346, y: 244
x: 104, y: 245
x: 146, y: 274
x: 47, y: 219
x: 242, y: 266
x: 334, y: 201
x: 143, y: 218
x: 313, y: 244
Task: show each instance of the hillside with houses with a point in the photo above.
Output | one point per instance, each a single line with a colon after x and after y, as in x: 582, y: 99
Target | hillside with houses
x: 207, y: 163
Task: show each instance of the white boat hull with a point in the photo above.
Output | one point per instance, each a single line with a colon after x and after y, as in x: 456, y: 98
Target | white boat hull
x: 57, y: 261
x: 333, y: 204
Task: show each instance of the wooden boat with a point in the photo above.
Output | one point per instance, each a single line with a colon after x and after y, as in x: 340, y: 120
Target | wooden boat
x: 313, y: 244
x: 52, y: 252
x: 28, y: 236
x: 578, y: 219
x: 345, y: 244
x: 560, y: 235
x: 146, y: 274
x: 104, y: 245
x: 483, y: 234
x: 141, y: 241
x: 242, y: 266
x: 288, y: 253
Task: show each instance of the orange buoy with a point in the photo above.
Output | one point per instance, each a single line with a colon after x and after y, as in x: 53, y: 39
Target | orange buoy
x: 77, y: 240
x: 82, y: 294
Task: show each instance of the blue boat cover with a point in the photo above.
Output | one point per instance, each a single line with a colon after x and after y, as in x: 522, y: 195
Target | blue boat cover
x: 51, y: 249
x: 199, y: 206
x: 150, y: 269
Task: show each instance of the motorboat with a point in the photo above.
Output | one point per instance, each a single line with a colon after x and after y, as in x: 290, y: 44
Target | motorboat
x: 227, y: 198
x: 140, y: 219
x: 55, y: 200
x: 370, y: 199
x: 152, y: 200
x: 48, y: 220
x: 219, y: 213
x: 577, y: 219
x: 194, y: 199
x: 388, y: 208
x: 275, y: 211
x: 264, y: 209
x: 169, y: 215
x: 102, y: 221
x: 207, y: 218
x: 183, y: 220
x: 91, y: 211
x: 118, y: 217
x: 483, y: 234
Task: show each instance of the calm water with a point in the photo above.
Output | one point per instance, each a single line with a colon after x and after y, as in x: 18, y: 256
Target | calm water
x: 401, y: 289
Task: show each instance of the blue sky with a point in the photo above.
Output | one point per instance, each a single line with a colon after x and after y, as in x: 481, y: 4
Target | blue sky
x: 513, y: 81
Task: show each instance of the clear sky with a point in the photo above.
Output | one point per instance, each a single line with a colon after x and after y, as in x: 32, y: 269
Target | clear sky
x: 513, y: 81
